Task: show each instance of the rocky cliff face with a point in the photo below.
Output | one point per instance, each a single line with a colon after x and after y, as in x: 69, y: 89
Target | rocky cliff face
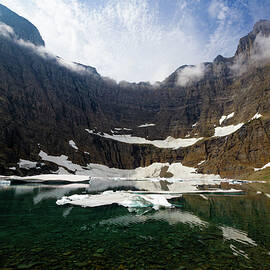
x: 45, y: 103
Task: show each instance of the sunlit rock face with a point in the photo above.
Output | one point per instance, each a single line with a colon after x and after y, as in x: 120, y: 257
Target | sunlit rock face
x: 46, y: 103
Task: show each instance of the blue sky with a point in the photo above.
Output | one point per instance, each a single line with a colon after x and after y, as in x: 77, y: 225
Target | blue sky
x: 141, y: 40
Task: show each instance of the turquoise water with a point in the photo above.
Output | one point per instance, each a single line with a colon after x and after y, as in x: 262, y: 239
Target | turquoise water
x: 221, y: 232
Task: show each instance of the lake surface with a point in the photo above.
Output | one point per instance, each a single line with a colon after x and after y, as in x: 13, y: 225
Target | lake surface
x: 203, y: 232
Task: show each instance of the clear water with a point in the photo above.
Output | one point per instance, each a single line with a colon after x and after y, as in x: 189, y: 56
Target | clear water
x: 35, y: 233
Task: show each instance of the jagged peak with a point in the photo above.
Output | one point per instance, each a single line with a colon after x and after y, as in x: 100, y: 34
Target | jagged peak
x: 262, y: 26
x: 245, y: 44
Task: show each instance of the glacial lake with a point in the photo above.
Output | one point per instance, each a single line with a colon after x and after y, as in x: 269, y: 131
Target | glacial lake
x: 202, y: 232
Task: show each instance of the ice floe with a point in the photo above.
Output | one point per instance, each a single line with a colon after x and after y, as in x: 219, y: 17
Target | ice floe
x: 227, y: 130
x: 73, y: 144
x: 123, y: 198
x: 225, y: 117
x: 169, y: 142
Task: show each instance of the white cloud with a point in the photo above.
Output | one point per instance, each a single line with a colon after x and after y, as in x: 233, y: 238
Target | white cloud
x: 127, y: 40
x: 261, y: 50
x: 122, y: 39
x: 258, y: 55
x: 218, y: 10
x: 190, y: 74
x: 6, y: 30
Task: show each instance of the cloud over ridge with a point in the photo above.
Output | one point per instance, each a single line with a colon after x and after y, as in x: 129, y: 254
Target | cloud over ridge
x: 127, y: 40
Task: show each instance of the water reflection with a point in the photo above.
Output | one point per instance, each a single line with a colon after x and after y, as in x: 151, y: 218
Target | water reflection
x: 170, y: 216
x: 220, y: 232
x: 99, y: 185
x: 57, y: 192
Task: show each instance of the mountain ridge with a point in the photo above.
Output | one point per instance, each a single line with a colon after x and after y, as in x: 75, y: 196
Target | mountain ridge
x: 46, y: 104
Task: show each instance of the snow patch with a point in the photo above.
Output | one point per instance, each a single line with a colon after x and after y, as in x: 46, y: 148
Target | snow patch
x: 200, y: 163
x: 169, y: 142
x: 73, y: 144
x: 204, y: 197
x: 227, y: 130
x: 119, y: 129
x: 179, y: 171
x: 225, y: 117
x: 184, y: 172
x: 256, y: 116
x: 146, y: 125
x: 61, y: 161
x: 26, y: 164
x: 264, y: 167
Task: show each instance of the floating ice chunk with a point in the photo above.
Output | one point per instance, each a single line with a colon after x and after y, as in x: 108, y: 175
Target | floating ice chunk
x: 237, y: 235
x: 73, y: 144
x: 169, y: 142
x: 225, y: 117
x: 123, y: 198
x: 146, y: 125
x: 27, y: 164
x: 224, y: 131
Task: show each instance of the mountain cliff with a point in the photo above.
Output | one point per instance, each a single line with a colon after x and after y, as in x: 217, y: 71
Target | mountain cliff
x: 22, y: 28
x: 220, y: 110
